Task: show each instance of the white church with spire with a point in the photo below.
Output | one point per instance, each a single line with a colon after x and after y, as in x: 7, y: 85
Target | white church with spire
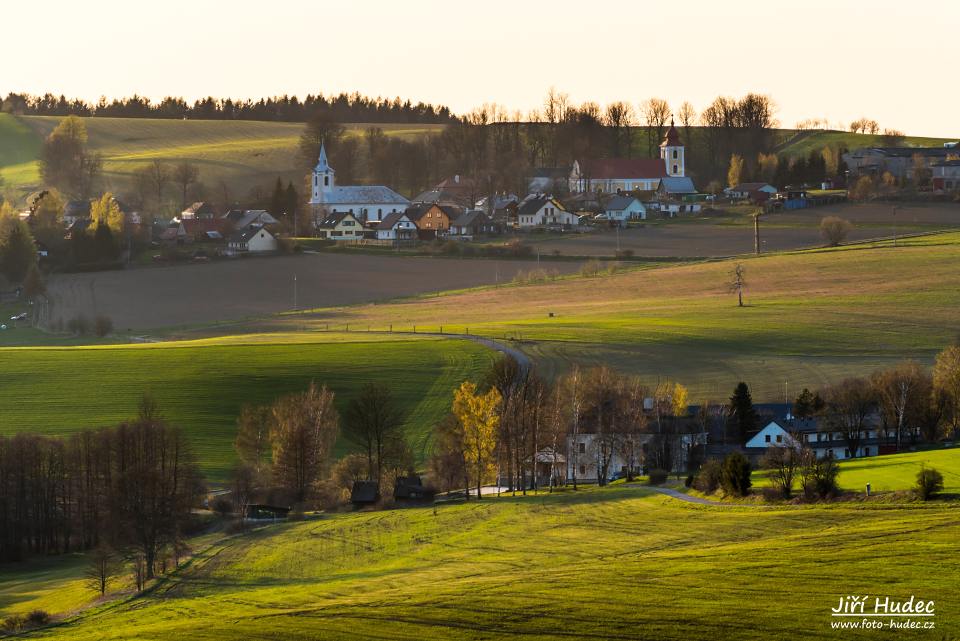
x: 367, y: 203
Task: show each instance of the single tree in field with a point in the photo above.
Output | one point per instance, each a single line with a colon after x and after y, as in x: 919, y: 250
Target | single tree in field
x: 304, y: 430
x: 946, y: 379
x: 479, y: 417
x: 253, y: 436
x: 738, y: 283
x: 374, y: 423
x: 735, y: 172
x: 185, y: 174
x: 64, y: 161
x: 742, y: 413
x: 783, y: 463
x: 104, y: 565
x: 834, y: 230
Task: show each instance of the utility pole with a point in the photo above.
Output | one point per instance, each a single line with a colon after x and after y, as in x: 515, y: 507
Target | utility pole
x: 756, y: 234
x: 294, y: 292
x: 894, y: 225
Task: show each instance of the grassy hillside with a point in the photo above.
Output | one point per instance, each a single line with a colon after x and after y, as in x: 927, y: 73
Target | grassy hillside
x: 201, y: 385
x: 242, y: 154
x: 894, y: 472
x: 810, y: 316
x: 801, y: 143
x: 600, y: 564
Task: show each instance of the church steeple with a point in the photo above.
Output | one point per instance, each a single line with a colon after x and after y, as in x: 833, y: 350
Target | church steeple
x: 672, y: 152
x: 323, y: 177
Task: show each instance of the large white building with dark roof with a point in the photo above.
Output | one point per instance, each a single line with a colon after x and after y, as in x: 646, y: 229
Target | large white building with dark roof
x: 365, y: 202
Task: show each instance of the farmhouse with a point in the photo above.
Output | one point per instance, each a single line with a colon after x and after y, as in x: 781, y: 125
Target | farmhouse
x: 755, y: 192
x: 397, y: 227
x: 340, y: 226
x: 946, y: 175
x: 432, y: 219
x: 676, y: 195
x: 471, y: 224
x: 253, y: 239
x: 899, y: 161
x: 539, y: 211
x: 822, y: 440
x: 365, y: 202
x: 587, y: 453
x: 624, y: 208
x: 238, y: 219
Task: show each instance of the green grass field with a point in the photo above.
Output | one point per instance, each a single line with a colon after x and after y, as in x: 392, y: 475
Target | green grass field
x: 242, y: 154
x: 202, y: 385
x: 810, y: 317
x: 801, y: 144
x: 891, y: 473
x: 617, y: 563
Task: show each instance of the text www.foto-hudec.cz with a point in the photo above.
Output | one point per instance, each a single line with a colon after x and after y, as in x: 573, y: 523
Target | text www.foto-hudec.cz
x: 860, y: 612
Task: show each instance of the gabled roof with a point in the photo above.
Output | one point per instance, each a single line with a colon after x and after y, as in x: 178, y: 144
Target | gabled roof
x: 365, y: 492
x: 532, y: 205
x: 418, y: 210
x: 677, y: 185
x: 248, y: 233
x: 200, y: 207
x: 253, y: 216
x: 334, y: 219
x: 391, y: 219
x: 362, y: 195
x: 619, y: 203
x: 631, y: 168
x: 470, y: 218
x: 750, y: 186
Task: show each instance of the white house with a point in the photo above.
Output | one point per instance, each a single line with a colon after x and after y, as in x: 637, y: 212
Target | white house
x: 396, y: 226
x: 625, y: 208
x: 823, y: 442
x: 539, y: 211
x: 368, y: 203
x: 753, y: 191
x: 253, y: 239
x: 340, y: 226
x: 587, y: 452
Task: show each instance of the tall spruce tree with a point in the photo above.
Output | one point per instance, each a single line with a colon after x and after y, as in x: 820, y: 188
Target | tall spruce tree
x: 742, y: 414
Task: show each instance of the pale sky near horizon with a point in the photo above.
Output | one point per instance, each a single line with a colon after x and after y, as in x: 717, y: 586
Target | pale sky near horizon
x: 892, y: 61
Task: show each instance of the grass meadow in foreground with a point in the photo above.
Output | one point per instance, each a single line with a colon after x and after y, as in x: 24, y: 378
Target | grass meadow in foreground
x: 201, y: 385
x: 614, y: 563
x: 810, y: 317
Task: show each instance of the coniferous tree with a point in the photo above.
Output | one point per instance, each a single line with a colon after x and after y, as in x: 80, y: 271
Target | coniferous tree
x: 742, y: 414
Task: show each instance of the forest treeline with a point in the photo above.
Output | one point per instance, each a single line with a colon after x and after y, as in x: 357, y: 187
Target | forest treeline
x: 343, y: 107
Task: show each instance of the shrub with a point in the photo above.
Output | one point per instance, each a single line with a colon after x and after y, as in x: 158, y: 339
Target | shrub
x: 929, y: 482
x: 38, y: 617
x: 13, y: 623
x: 658, y: 477
x: 708, y: 478
x: 735, y: 474
x: 78, y: 326
x: 624, y: 253
x: 102, y: 326
x: 222, y: 506
x: 689, y: 481
x: 818, y: 477
x: 834, y: 230
x: 450, y: 247
x: 591, y: 268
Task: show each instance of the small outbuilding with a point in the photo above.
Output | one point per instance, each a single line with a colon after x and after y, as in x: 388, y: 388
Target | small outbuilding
x: 364, y: 493
x: 253, y: 239
x: 410, y: 489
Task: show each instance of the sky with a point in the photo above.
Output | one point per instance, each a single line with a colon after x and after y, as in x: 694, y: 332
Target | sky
x: 891, y: 61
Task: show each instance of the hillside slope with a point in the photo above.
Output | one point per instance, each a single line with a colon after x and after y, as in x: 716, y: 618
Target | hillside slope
x: 810, y: 316
x: 238, y: 154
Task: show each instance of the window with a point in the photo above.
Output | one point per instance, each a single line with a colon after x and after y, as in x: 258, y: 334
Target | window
x: 767, y: 438
x: 583, y: 470
x: 866, y: 451
x: 583, y: 447
x: 674, y: 154
x: 779, y: 438
x: 326, y: 181
x: 675, y: 169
